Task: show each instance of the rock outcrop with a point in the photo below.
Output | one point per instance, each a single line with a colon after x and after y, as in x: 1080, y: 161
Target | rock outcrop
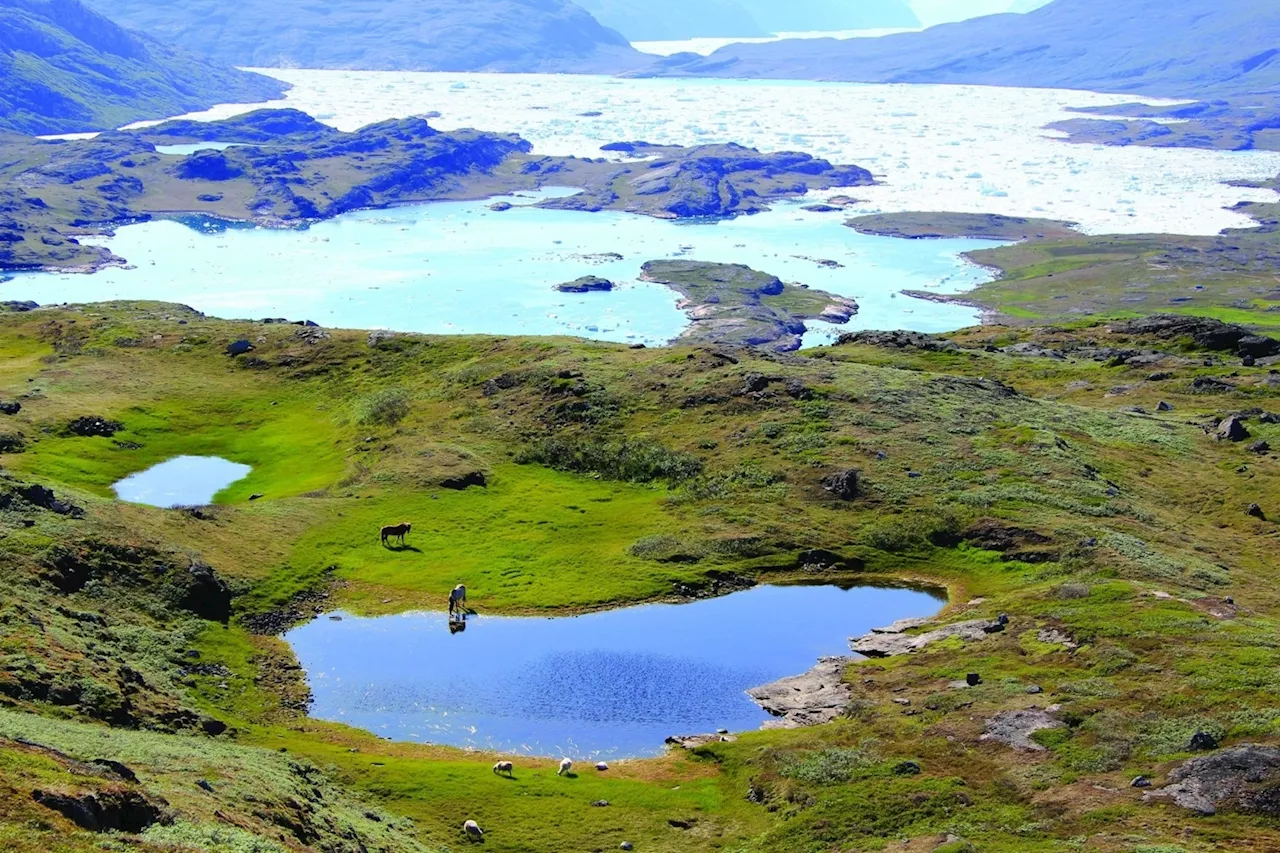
x: 1246, y: 778
x: 883, y: 645
x: 898, y: 340
x: 843, y: 484
x: 1014, y: 728
x: 1204, y: 332
x: 817, y: 696
x: 104, y: 811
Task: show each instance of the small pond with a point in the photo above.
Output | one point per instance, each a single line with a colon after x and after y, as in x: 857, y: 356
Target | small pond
x: 186, y: 148
x: 604, y: 685
x: 181, y: 481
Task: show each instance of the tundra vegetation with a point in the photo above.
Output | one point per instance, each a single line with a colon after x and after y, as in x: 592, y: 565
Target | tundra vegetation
x: 1083, y: 479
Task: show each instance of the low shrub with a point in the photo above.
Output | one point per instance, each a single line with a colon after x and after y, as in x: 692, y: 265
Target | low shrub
x: 386, y: 407
x: 628, y: 461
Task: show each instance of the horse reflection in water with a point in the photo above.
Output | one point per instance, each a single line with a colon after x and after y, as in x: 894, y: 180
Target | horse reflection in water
x: 458, y: 625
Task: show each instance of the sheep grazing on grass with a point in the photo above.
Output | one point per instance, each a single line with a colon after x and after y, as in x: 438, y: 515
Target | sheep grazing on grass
x: 473, y: 831
x: 566, y: 764
x: 504, y: 767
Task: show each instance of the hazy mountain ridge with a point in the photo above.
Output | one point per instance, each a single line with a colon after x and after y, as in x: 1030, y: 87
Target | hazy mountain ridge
x: 1074, y: 44
x: 66, y: 69
x: 675, y: 19
x: 417, y: 35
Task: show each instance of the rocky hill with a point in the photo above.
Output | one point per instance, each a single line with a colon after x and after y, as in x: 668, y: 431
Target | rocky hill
x: 1150, y: 47
x: 418, y: 35
x: 53, y: 192
x: 67, y: 69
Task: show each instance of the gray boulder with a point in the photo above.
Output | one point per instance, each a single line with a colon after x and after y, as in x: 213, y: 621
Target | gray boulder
x: 1014, y: 728
x: 842, y: 484
x: 1232, y: 429
x: 1243, y: 777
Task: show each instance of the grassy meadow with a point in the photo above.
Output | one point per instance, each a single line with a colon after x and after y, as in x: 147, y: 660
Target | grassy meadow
x: 1052, y: 489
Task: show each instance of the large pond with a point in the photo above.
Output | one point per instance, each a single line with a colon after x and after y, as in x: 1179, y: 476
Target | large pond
x: 181, y: 481
x: 459, y: 267
x: 610, y: 684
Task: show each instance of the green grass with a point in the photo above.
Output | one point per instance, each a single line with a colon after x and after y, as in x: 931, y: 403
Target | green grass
x: 1127, y: 505
x: 533, y: 539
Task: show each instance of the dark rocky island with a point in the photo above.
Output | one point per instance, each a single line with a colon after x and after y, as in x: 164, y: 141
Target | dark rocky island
x: 67, y: 69
x: 286, y: 169
x: 1244, y: 123
x: 586, y: 284
x: 709, y: 180
x: 734, y: 304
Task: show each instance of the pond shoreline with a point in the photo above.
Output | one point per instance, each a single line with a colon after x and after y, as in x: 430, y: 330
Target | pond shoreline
x: 427, y: 714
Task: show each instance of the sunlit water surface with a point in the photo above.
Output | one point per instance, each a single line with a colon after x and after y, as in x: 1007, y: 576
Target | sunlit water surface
x: 458, y: 267
x: 610, y: 684
x: 181, y: 481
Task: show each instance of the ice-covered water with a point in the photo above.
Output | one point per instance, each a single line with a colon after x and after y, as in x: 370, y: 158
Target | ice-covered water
x: 459, y: 267
x: 957, y: 148
x: 611, y: 684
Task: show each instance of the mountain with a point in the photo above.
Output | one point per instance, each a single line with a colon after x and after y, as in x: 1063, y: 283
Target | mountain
x: 410, y: 35
x: 794, y: 16
x: 674, y: 20
x: 933, y: 12
x: 67, y: 69
x: 1101, y: 45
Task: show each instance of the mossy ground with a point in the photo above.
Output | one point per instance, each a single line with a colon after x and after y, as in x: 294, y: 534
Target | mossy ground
x: 1126, y: 505
x: 1053, y: 274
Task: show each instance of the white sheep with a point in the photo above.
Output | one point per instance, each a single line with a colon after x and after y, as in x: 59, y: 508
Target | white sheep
x: 473, y: 831
x: 504, y: 767
x: 566, y: 764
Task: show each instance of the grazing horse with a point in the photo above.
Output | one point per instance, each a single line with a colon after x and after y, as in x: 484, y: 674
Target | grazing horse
x: 505, y: 767
x: 473, y: 831
x: 458, y: 598
x: 566, y: 765
x: 395, y: 531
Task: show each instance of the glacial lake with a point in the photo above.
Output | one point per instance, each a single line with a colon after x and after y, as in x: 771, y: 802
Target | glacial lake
x: 611, y: 684
x: 459, y: 267
x: 970, y: 149
x: 181, y: 481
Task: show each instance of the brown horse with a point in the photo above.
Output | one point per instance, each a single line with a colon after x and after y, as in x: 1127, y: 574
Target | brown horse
x: 396, y: 531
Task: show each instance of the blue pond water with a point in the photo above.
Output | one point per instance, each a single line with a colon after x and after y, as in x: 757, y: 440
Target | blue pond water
x: 181, y: 481
x: 609, y: 684
x: 458, y: 267
x: 186, y: 148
